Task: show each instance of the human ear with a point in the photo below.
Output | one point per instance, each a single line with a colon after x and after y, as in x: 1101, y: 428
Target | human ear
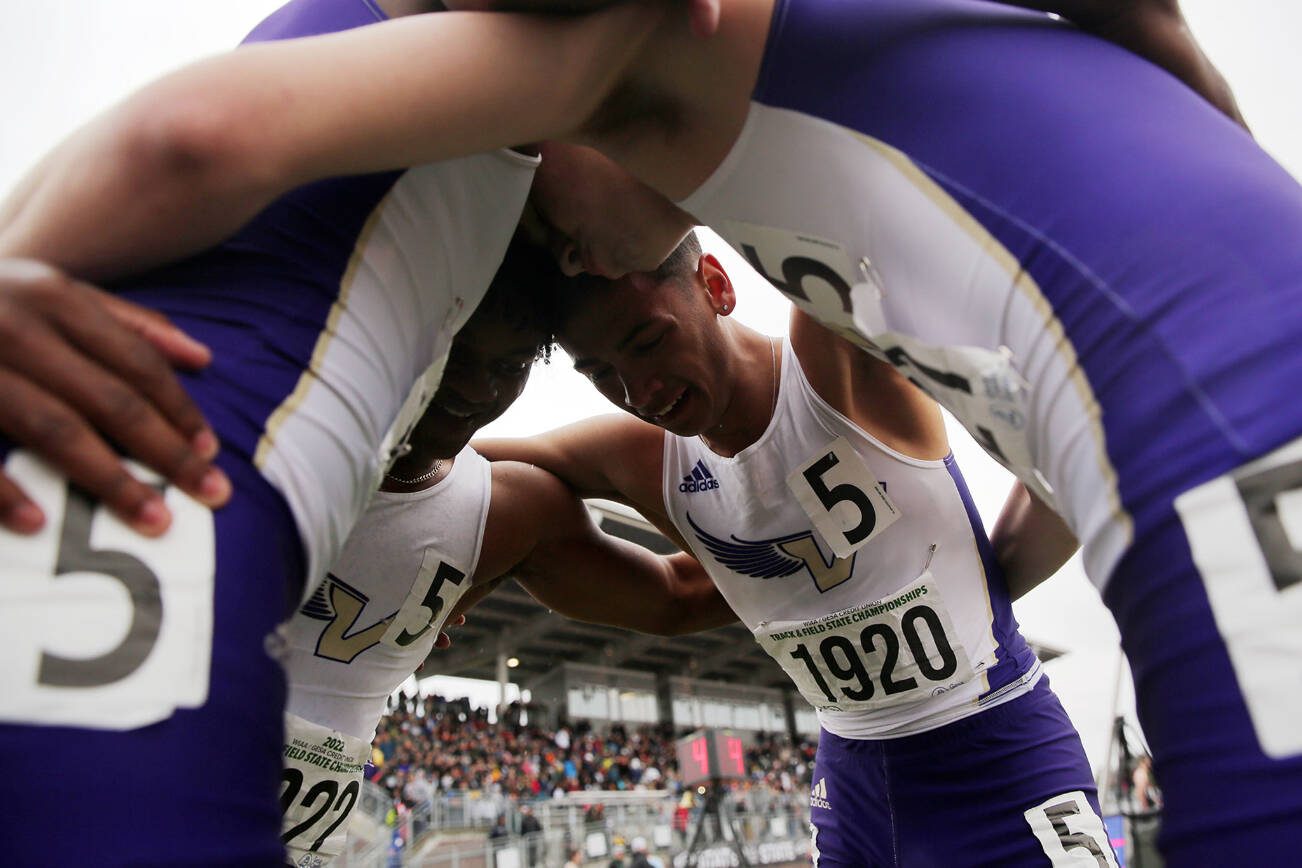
x: 723, y: 296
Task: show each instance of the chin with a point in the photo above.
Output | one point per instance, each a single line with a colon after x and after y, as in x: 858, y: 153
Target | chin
x: 450, y: 448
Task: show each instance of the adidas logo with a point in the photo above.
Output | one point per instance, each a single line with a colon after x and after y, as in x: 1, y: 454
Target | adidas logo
x: 700, y: 479
x: 818, y: 795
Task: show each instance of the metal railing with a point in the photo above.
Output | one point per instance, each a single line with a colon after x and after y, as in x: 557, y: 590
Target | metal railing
x: 772, y: 827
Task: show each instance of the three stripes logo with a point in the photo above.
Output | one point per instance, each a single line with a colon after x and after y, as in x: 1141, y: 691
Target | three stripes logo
x: 818, y: 795
x: 700, y: 479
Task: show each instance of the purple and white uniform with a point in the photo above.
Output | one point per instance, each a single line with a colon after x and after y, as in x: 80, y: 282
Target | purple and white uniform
x: 365, y: 629
x: 867, y: 575
x: 1101, y: 277
x: 138, y: 682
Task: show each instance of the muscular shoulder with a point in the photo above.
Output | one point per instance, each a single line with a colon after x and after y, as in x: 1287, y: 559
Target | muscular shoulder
x: 680, y: 105
x: 868, y: 391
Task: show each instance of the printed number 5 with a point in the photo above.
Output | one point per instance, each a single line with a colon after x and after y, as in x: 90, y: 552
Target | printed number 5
x: 76, y: 555
x: 842, y: 493
x: 104, y: 628
x: 1086, y: 845
x: 1245, y: 534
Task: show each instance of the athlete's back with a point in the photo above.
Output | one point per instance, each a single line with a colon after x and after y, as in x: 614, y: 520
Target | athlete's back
x: 1101, y: 277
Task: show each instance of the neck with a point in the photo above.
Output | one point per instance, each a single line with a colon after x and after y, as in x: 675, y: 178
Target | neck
x: 756, y: 369
x: 414, y: 465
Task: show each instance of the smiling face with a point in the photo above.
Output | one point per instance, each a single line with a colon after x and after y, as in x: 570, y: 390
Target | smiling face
x: 490, y: 358
x: 653, y: 344
x: 487, y: 370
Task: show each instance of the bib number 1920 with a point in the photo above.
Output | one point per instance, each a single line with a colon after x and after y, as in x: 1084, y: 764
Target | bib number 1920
x: 103, y: 628
x: 838, y: 657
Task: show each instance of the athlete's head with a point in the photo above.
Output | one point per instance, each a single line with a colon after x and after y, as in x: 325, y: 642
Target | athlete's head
x: 654, y: 343
x: 599, y: 219
x: 489, y: 362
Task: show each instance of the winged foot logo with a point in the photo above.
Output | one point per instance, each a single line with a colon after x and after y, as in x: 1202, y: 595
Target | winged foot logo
x: 777, y: 558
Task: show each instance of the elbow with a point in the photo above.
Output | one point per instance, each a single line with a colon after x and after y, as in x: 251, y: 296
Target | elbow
x: 193, y: 142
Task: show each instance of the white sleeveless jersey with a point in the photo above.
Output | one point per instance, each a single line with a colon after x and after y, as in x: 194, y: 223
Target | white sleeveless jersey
x: 365, y: 629
x: 376, y: 615
x: 864, y: 572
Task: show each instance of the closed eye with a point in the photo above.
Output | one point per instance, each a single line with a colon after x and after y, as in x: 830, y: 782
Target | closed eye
x: 650, y: 345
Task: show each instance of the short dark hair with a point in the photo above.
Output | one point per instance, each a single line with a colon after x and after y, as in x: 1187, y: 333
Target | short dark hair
x: 567, y: 292
x: 682, y: 262
x: 519, y: 292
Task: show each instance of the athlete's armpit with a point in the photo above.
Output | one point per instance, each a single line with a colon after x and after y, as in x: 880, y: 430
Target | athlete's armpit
x: 1030, y: 540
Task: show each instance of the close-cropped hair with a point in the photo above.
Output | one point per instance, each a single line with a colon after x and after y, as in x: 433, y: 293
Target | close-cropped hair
x: 682, y: 263
x: 519, y: 293
x: 566, y: 292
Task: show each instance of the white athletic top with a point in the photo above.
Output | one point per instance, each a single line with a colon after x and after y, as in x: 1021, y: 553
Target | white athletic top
x: 376, y: 615
x: 365, y: 629
x: 905, y: 602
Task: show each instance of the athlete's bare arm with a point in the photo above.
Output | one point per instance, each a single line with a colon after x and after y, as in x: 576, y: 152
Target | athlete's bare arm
x: 868, y: 391
x: 614, y: 456
x: 1155, y: 30
x: 1030, y: 540
x: 190, y: 158
x: 542, y: 534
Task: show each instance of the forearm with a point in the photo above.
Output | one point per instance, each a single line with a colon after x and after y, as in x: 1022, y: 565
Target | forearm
x: 620, y: 584
x: 1155, y: 30
x: 583, y: 480
x: 1030, y: 540
x: 130, y: 190
x: 189, y: 159
x: 571, y: 454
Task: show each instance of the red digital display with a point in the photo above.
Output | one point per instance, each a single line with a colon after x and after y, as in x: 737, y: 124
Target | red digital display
x: 710, y: 754
x: 701, y: 757
x: 731, y: 759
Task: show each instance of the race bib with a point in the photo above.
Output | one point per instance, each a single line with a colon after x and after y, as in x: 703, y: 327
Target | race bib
x: 103, y: 628
x: 817, y: 276
x: 890, y: 652
x: 437, y: 588
x: 982, y: 389
x: 842, y: 497
x: 322, y: 781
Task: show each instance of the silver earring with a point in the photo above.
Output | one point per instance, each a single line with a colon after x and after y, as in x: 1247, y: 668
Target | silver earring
x: 725, y: 308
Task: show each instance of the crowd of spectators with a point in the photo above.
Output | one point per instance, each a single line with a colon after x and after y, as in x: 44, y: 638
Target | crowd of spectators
x: 432, y: 745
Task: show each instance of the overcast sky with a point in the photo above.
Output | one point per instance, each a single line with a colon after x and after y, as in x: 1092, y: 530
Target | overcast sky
x: 63, y: 61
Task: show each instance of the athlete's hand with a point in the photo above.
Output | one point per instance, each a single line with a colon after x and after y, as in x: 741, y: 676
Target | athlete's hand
x: 79, y: 369
x: 444, y: 640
